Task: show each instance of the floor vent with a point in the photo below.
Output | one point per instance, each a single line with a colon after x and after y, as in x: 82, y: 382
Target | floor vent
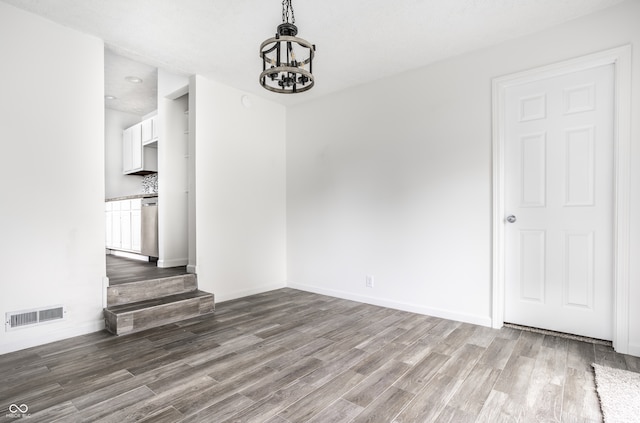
x: 20, y: 319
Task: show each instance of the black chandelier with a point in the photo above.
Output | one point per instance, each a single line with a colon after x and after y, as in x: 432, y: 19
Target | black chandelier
x: 285, y: 57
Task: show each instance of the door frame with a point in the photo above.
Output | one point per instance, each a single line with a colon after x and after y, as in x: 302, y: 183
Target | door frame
x: 620, y: 57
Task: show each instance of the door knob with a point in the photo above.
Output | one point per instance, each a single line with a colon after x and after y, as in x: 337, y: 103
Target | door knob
x: 511, y: 218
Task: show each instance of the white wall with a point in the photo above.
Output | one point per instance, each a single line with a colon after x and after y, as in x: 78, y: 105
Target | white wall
x: 393, y: 179
x: 240, y: 191
x: 116, y: 183
x: 51, y: 176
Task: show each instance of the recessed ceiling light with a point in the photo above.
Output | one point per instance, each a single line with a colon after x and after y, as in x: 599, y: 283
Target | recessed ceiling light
x: 110, y: 97
x: 134, y: 79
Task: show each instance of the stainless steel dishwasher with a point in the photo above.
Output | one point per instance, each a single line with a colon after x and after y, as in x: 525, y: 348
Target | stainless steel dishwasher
x: 150, y: 227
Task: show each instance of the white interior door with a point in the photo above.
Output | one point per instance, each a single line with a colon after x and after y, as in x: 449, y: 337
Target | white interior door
x: 559, y: 187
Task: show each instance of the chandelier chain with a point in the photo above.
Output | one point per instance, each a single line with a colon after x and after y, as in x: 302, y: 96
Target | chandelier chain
x: 286, y: 7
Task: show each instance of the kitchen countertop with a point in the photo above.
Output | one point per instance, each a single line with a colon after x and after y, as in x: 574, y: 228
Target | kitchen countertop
x: 131, y: 197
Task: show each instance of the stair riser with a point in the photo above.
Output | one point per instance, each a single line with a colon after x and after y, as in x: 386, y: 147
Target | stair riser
x: 135, y: 321
x: 147, y: 290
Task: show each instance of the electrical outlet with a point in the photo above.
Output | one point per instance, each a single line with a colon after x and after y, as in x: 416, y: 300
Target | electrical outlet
x: 368, y: 281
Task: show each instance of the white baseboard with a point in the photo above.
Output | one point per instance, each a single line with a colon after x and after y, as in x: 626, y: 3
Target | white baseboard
x: 52, y: 336
x: 239, y: 294
x: 634, y: 350
x: 413, y: 308
x: 173, y: 262
x: 192, y: 269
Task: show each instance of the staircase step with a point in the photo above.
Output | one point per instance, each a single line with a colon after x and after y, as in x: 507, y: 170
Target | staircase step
x: 154, y: 312
x: 133, y: 292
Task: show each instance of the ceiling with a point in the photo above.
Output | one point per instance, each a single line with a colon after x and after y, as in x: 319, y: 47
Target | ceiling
x: 357, y: 41
x: 139, y: 98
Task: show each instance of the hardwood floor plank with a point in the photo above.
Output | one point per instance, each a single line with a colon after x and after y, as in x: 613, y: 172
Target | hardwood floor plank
x: 316, y: 401
x: 123, y: 270
x: 455, y: 415
x: 341, y: 411
x: 96, y: 396
x: 385, y: 407
x: 166, y: 415
x: 528, y: 344
x: 580, y: 355
x: 514, y: 379
x: 375, y: 360
x: 421, y: 373
x: 457, y: 338
x: 547, y: 380
x: 227, y: 366
x: 374, y: 343
x: 64, y: 411
x: 508, y: 333
x: 220, y: 410
x: 483, y: 336
x: 633, y: 363
x: 580, y: 397
x: 375, y: 384
x: 501, y: 408
x: 607, y: 357
x: 498, y: 353
x: 429, y: 402
x: 281, y: 379
x: 182, y: 394
x: 110, y: 405
x: 38, y: 398
x: 443, y: 328
x: 203, y: 357
x: 335, y: 366
x: 546, y: 404
x: 470, y: 397
x: 215, y: 394
x: 269, y: 407
x: 289, y: 356
x: 306, y: 350
x: 338, y: 348
x: 416, y: 351
x: 462, y: 361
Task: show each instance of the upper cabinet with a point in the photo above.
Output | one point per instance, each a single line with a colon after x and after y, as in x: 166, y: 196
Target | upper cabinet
x: 149, y: 131
x: 140, y: 148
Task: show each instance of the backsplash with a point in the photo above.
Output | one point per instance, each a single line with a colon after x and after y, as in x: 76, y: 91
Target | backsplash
x: 150, y: 184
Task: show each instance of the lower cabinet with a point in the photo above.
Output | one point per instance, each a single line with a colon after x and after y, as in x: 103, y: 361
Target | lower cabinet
x: 123, y: 225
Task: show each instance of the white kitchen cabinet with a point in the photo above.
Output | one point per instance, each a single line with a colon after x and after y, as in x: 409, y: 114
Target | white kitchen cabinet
x: 124, y: 225
x: 154, y: 126
x: 108, y: 212
x: 136, y: 225
x: 116, y: 233
x: 149, y: 131
x: 139, y: 158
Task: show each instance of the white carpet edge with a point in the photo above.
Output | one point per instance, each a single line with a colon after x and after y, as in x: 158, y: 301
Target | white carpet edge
x: 619, y: 393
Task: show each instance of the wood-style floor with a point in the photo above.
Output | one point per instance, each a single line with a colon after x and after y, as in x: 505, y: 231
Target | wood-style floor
x: 124, y: 270
x: 292, y: 356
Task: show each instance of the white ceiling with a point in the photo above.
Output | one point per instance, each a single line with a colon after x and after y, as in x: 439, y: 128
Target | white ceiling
x: 138, y: 98
x: 357, y: 41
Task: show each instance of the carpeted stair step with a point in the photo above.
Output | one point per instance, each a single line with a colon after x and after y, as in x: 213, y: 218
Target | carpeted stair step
x: 154, y: 312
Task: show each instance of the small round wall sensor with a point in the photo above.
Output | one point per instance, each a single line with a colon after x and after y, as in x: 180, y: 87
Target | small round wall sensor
x: 246, y: 101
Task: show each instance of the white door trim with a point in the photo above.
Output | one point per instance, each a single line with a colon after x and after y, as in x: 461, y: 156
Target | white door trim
x: 620, y: 57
